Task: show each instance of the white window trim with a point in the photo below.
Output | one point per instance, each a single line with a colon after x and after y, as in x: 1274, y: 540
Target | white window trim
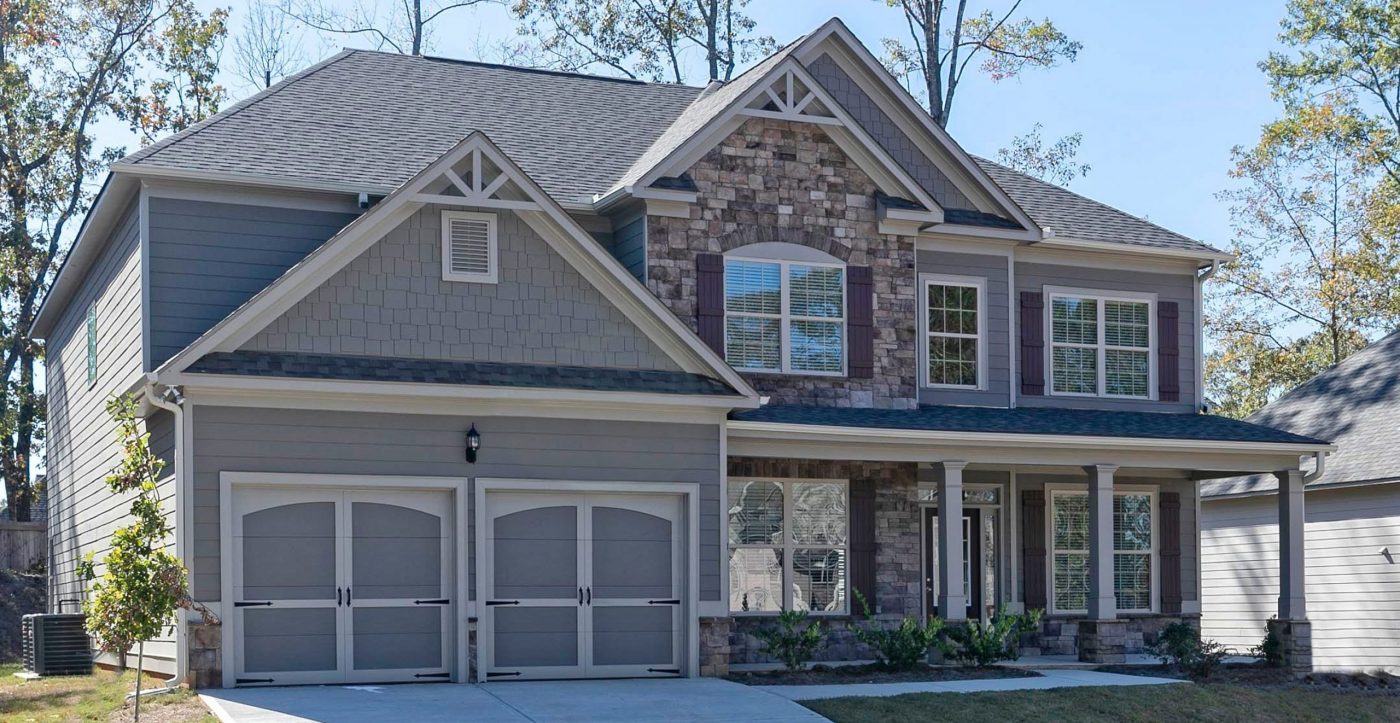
x: 785, y: 318
x: 1101, y: 347
x: 977, y: 282
x: 1054, y: 490
x: 788, y: 546
x: 492, y: 247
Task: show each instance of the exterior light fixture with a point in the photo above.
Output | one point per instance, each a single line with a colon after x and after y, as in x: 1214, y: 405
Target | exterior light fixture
x: 473, y: 444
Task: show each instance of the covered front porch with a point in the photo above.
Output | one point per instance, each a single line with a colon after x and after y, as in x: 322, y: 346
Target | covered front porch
x: 1098, y: 530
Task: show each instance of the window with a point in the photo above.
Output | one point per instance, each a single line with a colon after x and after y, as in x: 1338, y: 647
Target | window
x: 92, y: 344
x: 953, y: 313
x: 787, y: 546
x: 783, y: 316
x: 1134, y: 545
x: 1100, y: 346
x: 469, y: 250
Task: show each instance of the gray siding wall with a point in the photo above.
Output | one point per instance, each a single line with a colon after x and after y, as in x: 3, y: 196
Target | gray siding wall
x: 82, y: 446
x: 1352, y: 587
x: 887, y: 133
x: 393, y: 301
x: 301, y: 441
x: 996, y: 317
x: 1168, y: 287
x: 629, y: 245
x: 208, y: 258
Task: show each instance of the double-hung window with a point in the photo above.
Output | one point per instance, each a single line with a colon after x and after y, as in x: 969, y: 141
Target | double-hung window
x: 1134, y: 545
x: 1100, y: 345
x: 785, y: 317
x: 955, y: 332
x: 788, y: 545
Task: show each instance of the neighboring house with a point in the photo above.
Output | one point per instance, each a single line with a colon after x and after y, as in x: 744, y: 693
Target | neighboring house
x: 1353, y: 521
x: 476, y: 372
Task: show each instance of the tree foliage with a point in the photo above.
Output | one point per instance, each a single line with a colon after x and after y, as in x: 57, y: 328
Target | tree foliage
x: 404, y: 27
x: 650, y: 39
x: 66, y: 67
x: 945, y: 38
x: 1056, y: 163
x: 1317, y: 258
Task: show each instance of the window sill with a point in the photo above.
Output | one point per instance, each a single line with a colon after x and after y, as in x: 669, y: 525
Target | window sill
x: 775, y: 614
x: 780, y: 375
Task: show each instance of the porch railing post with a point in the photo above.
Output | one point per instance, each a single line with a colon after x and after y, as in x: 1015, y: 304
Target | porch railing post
x: 952, y: 603
x: 1292, y: 599
x: 1102, y: 603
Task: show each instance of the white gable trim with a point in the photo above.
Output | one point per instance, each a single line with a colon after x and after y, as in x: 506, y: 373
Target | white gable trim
x: 557, y: 228
x: 853, y: 140
x: 843, y: 38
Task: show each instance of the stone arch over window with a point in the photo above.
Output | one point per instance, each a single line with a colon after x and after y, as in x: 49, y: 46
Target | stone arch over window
x: 775, y: 236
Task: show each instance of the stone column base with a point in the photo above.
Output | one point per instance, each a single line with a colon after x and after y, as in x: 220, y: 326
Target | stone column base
x: 206, y: 659
x: 1103, y: 641
x: 715, y: 646
x: 1295, y: 639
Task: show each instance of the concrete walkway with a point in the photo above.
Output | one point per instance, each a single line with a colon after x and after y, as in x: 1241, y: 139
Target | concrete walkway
x: 1049, y: 679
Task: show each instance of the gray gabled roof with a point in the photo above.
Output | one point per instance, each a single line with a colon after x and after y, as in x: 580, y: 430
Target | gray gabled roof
x: 435, y: 371
x: 1355, y: 404
x: 1031, y: 420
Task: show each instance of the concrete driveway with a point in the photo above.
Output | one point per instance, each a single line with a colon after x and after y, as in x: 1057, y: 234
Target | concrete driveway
x: 697, y: 699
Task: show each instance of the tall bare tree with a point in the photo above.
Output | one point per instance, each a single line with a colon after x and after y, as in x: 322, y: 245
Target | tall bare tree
x: 944, y: 39
x: 269, y: 47
x: 404, y: 26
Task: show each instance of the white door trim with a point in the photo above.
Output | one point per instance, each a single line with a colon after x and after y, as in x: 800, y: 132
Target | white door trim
x: 691, y: 492
x: 228, y: 480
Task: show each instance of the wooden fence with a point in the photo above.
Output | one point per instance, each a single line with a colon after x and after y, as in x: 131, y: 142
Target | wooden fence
x: 23, y: 545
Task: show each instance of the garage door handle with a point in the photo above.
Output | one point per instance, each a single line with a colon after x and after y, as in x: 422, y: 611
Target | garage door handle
x: 443, y: 601
x: 502, y: 602
x: 337, y: 597
x: 663, y: 602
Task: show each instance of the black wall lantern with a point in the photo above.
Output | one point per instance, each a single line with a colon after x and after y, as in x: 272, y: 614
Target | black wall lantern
x: 473, y: 444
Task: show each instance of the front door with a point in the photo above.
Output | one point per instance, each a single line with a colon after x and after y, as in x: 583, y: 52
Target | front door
x: 334, y: 586
x: 582, y: 585
x: 972, y: 561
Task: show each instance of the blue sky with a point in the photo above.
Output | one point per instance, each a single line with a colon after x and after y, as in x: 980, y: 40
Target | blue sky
x: 1161, y: 91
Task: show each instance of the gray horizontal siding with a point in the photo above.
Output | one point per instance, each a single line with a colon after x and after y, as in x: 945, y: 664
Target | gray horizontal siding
x: 996, y: 317
x: 1180, y: 288
x: 207, y: 258
x: 301, y: 441
x: 1353, y: 590
x: 393, y: 301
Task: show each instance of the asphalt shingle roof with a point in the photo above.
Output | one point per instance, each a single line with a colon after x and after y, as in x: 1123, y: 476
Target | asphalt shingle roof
x: 1030, y: 420
x: 432, y: 371
x: 1356, y: 404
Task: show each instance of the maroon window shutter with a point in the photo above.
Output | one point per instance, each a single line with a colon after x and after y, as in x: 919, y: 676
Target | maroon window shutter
x: 862, y: 541
x: 1170, y: 552
x: 709, y: 300
x: 1168, y: 352
x: 1032, y: 343
x: 1033, y: 548
x: 860, y: 321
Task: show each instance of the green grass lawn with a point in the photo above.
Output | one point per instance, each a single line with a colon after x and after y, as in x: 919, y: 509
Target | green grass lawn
x: 97, y: 697
x: 1184, y: 702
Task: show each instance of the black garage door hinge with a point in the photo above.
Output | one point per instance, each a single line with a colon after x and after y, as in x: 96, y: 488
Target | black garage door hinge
x: 439, y: 601
x: 242, y: 681
x: 432, y: 675
x: 502, y: 675
x: 247, y: 604
x: 672, y: 671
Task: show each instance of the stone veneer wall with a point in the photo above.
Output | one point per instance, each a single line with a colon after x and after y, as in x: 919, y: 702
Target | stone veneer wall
x: 898, y: 559
x: 206, y: 660
x: 789, y: 182
x: 1060, y: 636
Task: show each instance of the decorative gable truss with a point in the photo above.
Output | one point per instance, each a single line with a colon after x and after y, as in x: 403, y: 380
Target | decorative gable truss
x: 476, y: 180
x: 789, y: 98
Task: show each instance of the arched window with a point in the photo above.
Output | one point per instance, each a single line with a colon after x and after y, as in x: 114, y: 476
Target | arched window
x: 784, y: 310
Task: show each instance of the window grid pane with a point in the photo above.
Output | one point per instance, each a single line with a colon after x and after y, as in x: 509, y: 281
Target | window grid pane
x: 1125, y: 324
x: 752, y: 287
x: 1074, y: 321
x: 1076, y: 370
x: 952, y: 360
x: 1070, y: 520
x: 816, y: 291
x: 1132, y: 522
x: 1132, y: 581
x: 755, y: 513
x: 1125, y: 373
x: 818, y: 580
x: 816, y: 346
x: 819, y: 513
x: 756, y: 579
x: 753, y: 342
x: 1071, y: 576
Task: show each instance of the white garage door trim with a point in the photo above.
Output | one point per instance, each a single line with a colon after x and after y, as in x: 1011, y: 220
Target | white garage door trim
x: 690, y: 493
x: 457, y: 487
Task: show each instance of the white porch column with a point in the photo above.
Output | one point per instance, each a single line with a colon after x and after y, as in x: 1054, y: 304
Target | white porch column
x: 1102, y: 604
x: 1292, y: 603
x: 952, y: 604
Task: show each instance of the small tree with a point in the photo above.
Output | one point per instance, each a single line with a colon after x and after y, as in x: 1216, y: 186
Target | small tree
x: 143, y: 584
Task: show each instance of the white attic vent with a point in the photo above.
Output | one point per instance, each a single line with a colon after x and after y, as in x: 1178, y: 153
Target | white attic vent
x: 469, y: 247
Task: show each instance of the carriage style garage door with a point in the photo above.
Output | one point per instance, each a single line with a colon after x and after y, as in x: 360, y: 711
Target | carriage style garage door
x: 334, y: 586
x: 580, y: 585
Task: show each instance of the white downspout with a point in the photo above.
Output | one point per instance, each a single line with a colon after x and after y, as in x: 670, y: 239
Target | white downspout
x: 1319, y: 466
x: 157, y: 396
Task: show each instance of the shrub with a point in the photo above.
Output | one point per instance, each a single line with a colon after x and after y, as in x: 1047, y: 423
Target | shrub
x: 1180, y: 646
x: 1270, y: 648
x: 789, y: 641
x: 1000, y: 639
x: 901, y: 648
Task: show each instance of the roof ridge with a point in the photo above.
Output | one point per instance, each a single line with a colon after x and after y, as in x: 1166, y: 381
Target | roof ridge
x: 542, y: 71
x: 236, y: 108
x: 1076, y: 194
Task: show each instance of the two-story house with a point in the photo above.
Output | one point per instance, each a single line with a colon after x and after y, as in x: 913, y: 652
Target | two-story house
x: 473, y: 372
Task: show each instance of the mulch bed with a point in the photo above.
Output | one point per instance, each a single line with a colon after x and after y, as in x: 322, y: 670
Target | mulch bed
x: 848, y: 674
x: 1259, y: 675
